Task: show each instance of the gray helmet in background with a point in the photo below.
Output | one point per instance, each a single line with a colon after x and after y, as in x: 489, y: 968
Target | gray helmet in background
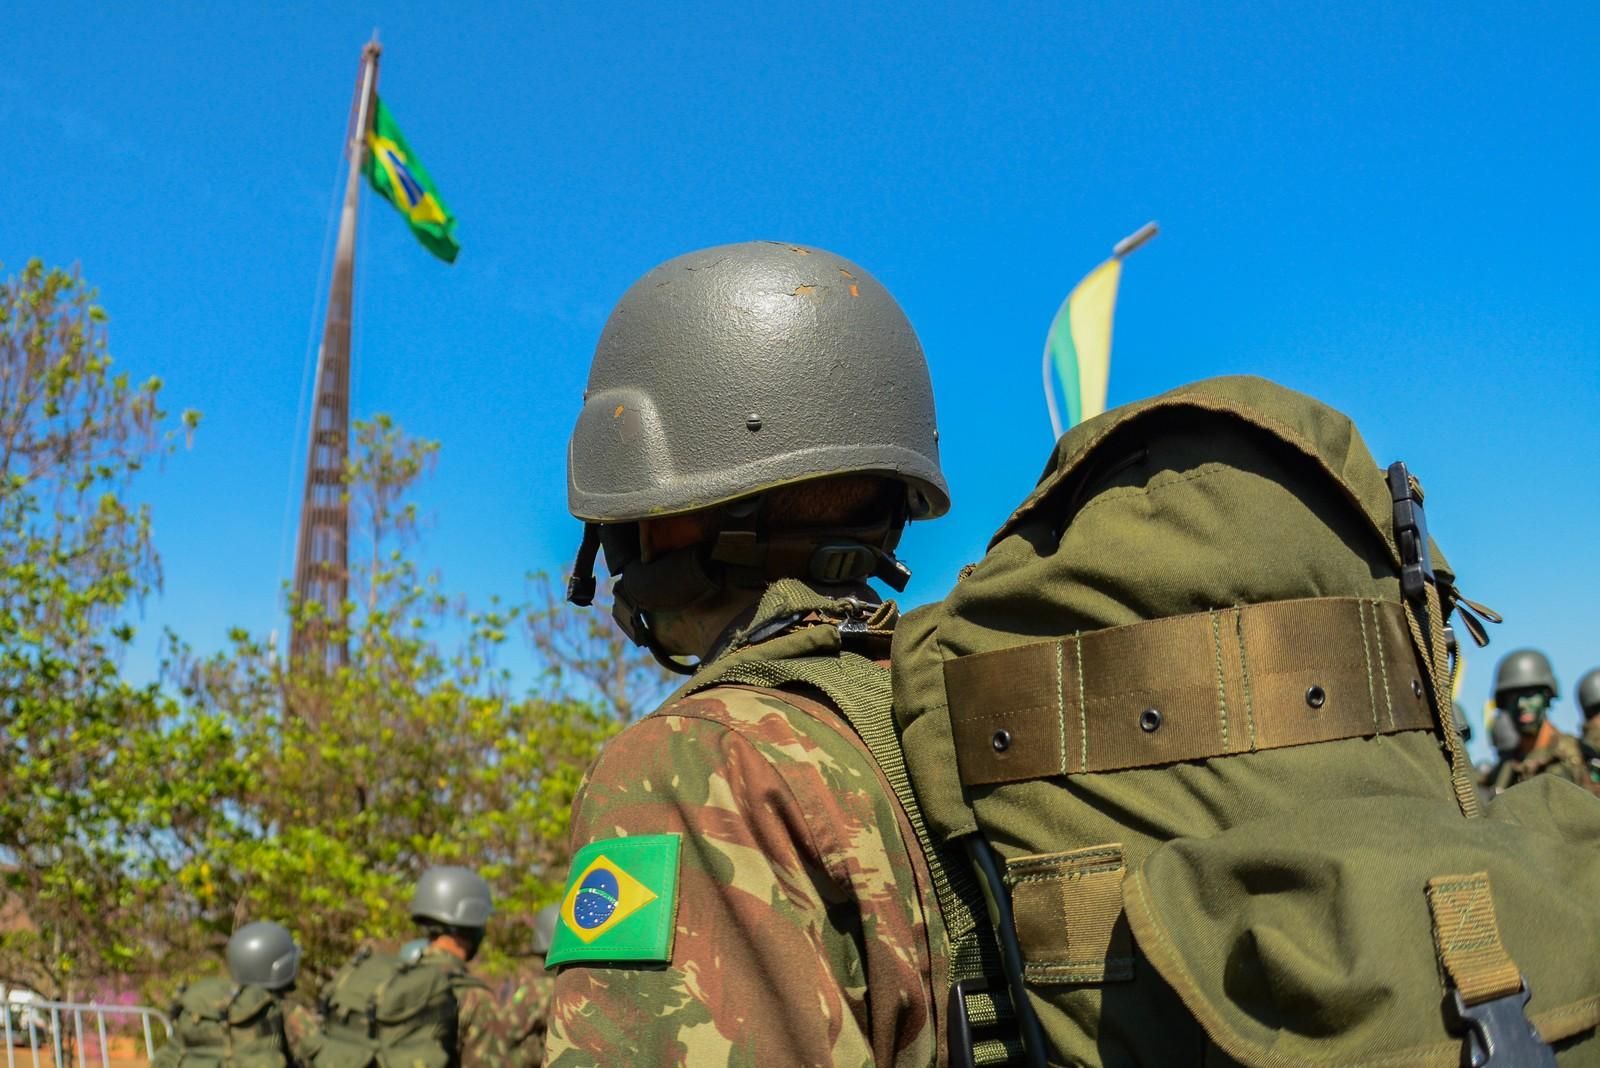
x: 263, y: 954
x: 1589, y: 694
x: 735, y: 369
x: 544, y: 929
x: 1524, y: 669
x: 457, y: 897
x: 1503, y: 733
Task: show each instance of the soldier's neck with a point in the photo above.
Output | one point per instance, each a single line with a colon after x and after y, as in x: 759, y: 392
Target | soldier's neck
x: 449, y: 944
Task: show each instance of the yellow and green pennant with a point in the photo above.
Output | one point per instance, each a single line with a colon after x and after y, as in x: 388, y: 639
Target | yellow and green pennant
x: 399, y: 177
x: 1078, y: 345
x: 621, y: 902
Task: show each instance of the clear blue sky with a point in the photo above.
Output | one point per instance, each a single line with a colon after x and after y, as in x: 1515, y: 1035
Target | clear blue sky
x: 1390, y: 206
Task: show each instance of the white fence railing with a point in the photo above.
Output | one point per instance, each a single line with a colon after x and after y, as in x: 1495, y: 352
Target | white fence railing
x: 52, y: 1034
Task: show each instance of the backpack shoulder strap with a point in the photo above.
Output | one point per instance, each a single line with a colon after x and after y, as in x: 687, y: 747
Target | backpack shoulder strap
x: 801, y: 639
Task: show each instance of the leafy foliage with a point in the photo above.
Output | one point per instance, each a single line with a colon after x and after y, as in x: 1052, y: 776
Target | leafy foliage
x: 139, y: 825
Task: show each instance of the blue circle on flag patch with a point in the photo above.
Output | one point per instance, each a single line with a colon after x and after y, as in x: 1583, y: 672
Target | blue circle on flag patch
x: 596, y: 900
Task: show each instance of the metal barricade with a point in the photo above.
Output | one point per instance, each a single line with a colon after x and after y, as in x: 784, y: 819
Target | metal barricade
x: 43, y: 1029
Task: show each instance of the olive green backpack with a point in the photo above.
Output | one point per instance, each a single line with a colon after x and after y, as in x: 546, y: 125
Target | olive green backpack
x: 216, y: 1024
x: 391, y: 1012
x: 1189, y: 718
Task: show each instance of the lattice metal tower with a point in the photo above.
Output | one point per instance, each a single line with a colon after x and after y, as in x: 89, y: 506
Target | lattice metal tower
x: 322, y: 563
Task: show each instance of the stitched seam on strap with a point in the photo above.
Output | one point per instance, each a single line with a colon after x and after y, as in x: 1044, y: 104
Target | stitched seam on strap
x: 1061, y: 702
x: 1383, y: 666
x: 1222, y: 699
x: 1083, y: 710
x: 1366, y: 649
x: 1244, y: 677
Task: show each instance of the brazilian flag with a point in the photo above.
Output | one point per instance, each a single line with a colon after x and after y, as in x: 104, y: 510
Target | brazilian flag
x: 397, y: 174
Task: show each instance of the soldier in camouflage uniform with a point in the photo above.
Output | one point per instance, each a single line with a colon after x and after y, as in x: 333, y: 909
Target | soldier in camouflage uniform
x: 451, y: 906
x: 1589, y: 705
x: 745, y: 885
x: 1524, y: 689
x: 528, y: 1005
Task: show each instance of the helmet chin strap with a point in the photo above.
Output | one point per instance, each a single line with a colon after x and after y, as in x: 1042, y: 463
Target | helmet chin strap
x: 643, y: 635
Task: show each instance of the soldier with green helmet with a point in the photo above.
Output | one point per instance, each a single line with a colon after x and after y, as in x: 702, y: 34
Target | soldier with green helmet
x: 244, y: 1021
x: 1589, y: 704
x: 1524, y: 689
x: 758, y: 429
x: 420, y: 1006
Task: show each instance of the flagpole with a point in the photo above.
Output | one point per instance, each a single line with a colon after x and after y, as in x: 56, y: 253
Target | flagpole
x: 1120, y: 250
x: 322, y: 567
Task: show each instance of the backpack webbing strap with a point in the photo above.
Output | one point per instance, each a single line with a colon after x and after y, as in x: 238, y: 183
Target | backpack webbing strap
x: 1430, y: 643
x: 1466, y: 936
x: 1190, y: 687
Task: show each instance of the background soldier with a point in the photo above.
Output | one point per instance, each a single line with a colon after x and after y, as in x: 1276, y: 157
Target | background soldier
x: 1589, y: 705
x: 452, y: 907
x: 1524, y: 688
x: 745, y: 884
x: 243, y: 1020
x: 528, y: 1007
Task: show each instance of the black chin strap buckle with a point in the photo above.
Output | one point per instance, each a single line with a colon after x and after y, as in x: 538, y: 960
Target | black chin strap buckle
x: 580, y: 584
x: 1498, y: 1032
x: 1410, y: 533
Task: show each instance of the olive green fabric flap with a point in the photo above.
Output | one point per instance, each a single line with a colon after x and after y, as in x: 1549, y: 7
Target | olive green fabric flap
x: 219, y: 1025
x: 1308, y: 939
x: 1231, y: 491
x: 380, y: 1009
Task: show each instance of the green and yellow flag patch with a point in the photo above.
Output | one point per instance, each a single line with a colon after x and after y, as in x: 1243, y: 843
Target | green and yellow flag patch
x: 399, y: 177
x: 621, y: 902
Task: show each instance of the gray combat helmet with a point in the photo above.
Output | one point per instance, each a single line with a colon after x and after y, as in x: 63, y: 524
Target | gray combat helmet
x: 457, y: 897
x: 263, y: 954
x: 1589, y: 694
x: 1524, y: 669
x: 736, y: 369
x: 544, y: 929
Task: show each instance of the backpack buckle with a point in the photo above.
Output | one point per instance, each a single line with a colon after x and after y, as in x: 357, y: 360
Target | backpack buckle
x: 1410, y: 533
x: 1498, y: 1032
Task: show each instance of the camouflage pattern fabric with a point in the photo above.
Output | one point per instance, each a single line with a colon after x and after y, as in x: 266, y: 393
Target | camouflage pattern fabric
x: 1591, y: 733
x: 302, y: 1029
x: 1557, y: 754
x: 800, y: 880
x: 527, y: 1010
x: 482, y: 1030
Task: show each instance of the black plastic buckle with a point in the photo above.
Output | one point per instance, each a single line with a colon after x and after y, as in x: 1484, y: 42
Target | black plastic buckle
x: 959, y: 1029
x: 1498, y: 1032
x: 1410, y: 533
x: 836, y: 563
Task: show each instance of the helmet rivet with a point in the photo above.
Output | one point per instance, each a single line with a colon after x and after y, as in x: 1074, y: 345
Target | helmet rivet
x: 1150, y: 720
x: 1416, y: 687
x: 1001, y: 740
x: 1316, y: 696
x: 752, y: 422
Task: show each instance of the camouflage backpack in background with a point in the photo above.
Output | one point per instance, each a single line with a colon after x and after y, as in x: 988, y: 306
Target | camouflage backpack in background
x: 392, y: 1011
x: 216, y: 1024
x: 1190, y: 719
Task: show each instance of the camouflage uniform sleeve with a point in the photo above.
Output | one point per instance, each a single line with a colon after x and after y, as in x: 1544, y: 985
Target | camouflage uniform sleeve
x: 481, y: 1028
x: 796, y: 885
x: 303, y: 1031
x: 529, y: 1011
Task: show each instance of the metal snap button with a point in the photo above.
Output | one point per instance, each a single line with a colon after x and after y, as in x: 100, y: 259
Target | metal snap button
x: 1150, y: 720
x: 1316, y: 696
x: 1001, y: 740
x: 1416, y: 687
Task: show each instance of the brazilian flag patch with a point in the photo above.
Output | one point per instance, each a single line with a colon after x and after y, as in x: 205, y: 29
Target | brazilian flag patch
x: 621, y: 902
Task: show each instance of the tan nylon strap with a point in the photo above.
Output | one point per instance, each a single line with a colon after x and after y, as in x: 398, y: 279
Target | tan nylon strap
x: 1463, y: 777
x: 1188, y: 687
x: 1466, y: 936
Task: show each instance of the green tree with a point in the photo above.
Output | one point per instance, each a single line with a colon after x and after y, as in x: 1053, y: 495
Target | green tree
x: 422, y: 750
x: 81, y: 861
